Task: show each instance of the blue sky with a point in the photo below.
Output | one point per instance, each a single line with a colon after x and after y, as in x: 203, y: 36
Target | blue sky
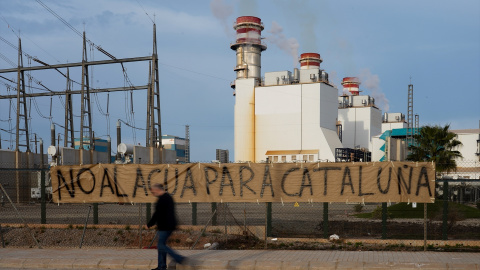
x: 435, y: 44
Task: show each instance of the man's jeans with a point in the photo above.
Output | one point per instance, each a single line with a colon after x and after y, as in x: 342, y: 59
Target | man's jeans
x: 163, y: 249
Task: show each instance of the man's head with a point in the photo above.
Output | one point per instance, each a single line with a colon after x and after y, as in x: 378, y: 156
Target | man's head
x: 158, y: 190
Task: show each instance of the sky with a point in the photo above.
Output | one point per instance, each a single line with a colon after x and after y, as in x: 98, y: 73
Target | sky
x: 435, y: 45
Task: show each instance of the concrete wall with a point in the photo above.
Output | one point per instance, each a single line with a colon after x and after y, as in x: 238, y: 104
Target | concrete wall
x: 7, y: 159
x: 468, y: 149
x: 70, y: 156
x: 359, y: 124
x: 296, y: 117
x: 244, y: 120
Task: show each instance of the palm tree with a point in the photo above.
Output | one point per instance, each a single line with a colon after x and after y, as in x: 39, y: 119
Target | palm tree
x: 437, y: 144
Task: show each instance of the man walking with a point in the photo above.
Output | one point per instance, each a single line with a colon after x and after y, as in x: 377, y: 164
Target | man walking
x: 164, y: 218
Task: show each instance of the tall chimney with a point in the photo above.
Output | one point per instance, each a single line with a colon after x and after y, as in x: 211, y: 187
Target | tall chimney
x: 351, y: 84
x: 310, y: 61
x: 249, y: 47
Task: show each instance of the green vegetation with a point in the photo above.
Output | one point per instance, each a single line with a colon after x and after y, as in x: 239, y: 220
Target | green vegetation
x: 358, y: 208
x: 437, y: 144
x: 434, y: 210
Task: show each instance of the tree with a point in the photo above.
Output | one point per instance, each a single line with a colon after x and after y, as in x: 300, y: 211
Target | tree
x: 437, y: 144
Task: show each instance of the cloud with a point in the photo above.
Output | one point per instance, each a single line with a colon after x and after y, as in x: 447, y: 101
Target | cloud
x: 372, y: 82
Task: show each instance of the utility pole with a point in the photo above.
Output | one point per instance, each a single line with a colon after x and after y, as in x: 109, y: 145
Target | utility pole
x: 21, y: 117
x: 21, y: 102
x: 409, y: 118
x: 416, y: 130
x: 85, y: 115
x: 68, y: 131
x: 154, y: 131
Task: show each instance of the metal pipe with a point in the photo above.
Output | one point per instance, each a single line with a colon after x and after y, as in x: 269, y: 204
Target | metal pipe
x: 119, y: 136
x: 52, y: 134
x: 43, y: 202
x: 109, y: 149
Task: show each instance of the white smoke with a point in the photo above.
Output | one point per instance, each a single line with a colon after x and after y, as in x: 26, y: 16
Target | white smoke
x: 247, y: 8
x: 372, y: 82
x: 288, y: 45
x: 222, y: 11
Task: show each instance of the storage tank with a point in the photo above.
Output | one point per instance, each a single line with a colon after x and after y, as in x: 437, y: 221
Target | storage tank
x: 125, y: 149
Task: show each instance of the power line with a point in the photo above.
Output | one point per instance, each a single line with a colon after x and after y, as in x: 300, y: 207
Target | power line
x: 145, y: 11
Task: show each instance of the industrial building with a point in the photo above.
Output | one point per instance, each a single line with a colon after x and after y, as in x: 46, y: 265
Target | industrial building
x: 174, y: 148
x: 222, y: 155
x: 292, y: 116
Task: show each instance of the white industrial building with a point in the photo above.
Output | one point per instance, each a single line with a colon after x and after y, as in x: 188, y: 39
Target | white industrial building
x: 298, y: 116
x: 287, y: 116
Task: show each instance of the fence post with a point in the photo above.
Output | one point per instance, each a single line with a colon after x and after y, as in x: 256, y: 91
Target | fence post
x: 148, y: 206
x: 95, y: 213
x: 325, y: 220
x: 214, y: 211
x: 445, y: 211
x: 194, y: 213
x: 384, y: 220
x: 269, y: 219
x: 43, y: 202
x: 425, y: 227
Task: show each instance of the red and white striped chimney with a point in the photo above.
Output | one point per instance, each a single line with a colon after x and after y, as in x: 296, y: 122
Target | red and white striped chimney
x: 351, y: 84
x: 248, y: 46
x: 310, y: 61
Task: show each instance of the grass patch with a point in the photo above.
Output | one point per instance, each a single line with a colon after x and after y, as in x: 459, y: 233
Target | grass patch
x: 402, y: 210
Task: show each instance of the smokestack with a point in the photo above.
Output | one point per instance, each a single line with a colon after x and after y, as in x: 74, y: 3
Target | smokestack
x: 351, y: 85
x: 310, y: 61
x: 248, y: 47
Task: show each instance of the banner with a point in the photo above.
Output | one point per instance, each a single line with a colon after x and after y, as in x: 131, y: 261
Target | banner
x: 247, y: 182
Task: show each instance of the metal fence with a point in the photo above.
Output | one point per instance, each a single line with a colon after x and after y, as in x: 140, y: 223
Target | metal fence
x: 25, y: 201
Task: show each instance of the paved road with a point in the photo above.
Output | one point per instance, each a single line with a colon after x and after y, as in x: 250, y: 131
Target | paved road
x: 13, y: 258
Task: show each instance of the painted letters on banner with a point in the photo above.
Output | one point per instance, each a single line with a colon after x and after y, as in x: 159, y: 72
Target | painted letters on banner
x: 254, y: 182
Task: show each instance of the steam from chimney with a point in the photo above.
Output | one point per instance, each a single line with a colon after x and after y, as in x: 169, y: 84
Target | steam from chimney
x: 372, y: 82
x: 222, y: 11
x: 288, y: 45
x: 248, y: 8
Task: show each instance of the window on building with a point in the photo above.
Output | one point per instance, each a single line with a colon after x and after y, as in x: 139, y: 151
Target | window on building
x: 284, y: 159
x: 305, y: 157
x: 294, y: 157
x: 275, y: 159
x: 310, y: 158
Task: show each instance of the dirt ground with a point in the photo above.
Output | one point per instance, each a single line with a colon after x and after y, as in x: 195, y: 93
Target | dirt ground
x: 126, y: 237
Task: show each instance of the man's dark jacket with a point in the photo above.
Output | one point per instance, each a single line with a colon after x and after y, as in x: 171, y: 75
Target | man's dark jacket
x: 164, y: 216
